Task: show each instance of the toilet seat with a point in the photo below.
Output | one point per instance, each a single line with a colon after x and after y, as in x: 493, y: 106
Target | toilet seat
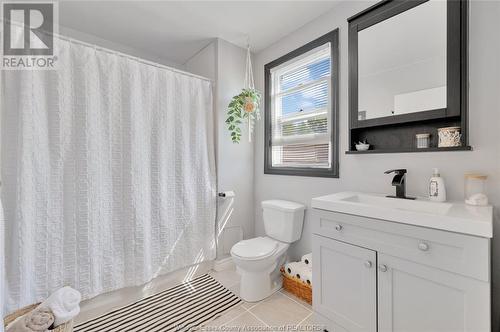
x: 256, y: 248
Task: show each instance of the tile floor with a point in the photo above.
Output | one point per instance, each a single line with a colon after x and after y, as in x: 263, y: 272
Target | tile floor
x: 280, y: 312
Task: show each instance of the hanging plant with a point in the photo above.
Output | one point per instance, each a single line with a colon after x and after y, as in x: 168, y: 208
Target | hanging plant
x: 244, y: 106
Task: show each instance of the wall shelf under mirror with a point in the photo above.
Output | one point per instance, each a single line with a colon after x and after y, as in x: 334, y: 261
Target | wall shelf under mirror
x: 454, y: 148
x: 408, y: 75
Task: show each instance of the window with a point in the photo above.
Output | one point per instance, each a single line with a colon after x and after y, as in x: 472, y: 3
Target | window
x: 301, y: 98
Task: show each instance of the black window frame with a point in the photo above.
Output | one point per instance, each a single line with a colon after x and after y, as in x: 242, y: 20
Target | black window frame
x: 333, y: 172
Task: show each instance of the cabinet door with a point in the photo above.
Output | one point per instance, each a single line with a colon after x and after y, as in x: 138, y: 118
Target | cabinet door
x: 414, y: 297
x: 344, y: 285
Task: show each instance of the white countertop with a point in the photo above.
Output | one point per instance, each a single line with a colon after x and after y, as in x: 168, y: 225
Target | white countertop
x: 449, y: 216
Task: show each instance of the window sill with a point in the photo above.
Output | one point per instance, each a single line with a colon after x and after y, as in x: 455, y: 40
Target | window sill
x: 323, y: 173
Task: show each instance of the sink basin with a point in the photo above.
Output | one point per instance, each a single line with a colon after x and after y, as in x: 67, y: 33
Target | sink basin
x: 449, y: 216
x: 417, y: 205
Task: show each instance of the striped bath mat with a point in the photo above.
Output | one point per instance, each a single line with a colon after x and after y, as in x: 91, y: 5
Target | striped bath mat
x: 180, y: 308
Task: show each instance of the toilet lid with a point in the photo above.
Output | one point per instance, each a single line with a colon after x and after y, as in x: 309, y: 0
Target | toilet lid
x: 258, y: 247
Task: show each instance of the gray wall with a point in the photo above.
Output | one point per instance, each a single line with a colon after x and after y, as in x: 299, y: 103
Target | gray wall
x: 365, y: 172
x: 204, y: 63
x: 235, y: 166
x: 225, y: 63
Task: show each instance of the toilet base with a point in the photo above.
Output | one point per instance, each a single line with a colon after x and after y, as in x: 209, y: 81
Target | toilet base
x: 256, y: 286
x: 261, y: 277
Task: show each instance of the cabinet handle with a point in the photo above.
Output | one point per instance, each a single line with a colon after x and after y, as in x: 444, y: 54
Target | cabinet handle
x: 338, y: 228
x: 368, y: 264
x: 423, y: 246
x: 382, y: 268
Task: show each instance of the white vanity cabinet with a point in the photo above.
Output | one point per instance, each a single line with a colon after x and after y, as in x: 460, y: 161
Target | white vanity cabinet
x: 376, y: 275
x: 352, y: 277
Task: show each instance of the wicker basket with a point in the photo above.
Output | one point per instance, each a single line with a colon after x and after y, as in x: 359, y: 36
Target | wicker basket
x: 66, y: 327
x: 297, y: 287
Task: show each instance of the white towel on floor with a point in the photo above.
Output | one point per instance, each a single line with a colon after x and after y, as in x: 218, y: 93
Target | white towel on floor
x: 64, y: 303
x: 307, y: 259
x: 37, y: 320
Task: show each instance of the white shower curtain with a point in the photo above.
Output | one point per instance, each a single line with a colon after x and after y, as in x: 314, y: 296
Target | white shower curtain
x: 108, y: 170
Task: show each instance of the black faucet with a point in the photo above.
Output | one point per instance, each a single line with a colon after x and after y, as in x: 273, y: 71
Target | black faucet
x: 399, y: 181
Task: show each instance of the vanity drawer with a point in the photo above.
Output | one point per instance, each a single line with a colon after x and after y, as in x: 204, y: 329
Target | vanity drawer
x: 463, y: 254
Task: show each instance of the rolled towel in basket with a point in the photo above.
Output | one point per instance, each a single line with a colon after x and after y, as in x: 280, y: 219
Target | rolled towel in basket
x: 64, y: 303
x: 302, y: 271
x: 292, y: 268
x: 307, y: 259
x: 37, y: 320
x: 306, y: 276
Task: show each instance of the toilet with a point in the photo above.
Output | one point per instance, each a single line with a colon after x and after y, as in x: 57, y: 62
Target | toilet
x: 258, y: 260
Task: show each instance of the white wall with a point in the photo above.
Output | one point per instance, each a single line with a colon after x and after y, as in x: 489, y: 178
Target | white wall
x: 365, y: 172
x: 225, y: 63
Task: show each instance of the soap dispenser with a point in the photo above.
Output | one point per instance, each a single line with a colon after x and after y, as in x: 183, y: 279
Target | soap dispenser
x: 437, y: 190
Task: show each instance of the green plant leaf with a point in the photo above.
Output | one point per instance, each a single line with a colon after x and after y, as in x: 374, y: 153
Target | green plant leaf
x: 236, y: 112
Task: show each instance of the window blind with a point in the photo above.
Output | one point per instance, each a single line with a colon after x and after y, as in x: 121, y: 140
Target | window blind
x: 300, y: 111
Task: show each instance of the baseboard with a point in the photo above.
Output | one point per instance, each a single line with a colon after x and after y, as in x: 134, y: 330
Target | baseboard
x: 223, y: 264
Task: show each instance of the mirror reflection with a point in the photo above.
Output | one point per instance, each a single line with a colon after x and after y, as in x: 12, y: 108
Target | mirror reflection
x: 401, y: 69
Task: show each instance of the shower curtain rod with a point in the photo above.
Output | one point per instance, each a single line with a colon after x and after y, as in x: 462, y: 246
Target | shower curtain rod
x: 125, y: 55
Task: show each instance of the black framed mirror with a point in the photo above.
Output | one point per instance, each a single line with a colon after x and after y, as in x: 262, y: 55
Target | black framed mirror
x: 407, y: 65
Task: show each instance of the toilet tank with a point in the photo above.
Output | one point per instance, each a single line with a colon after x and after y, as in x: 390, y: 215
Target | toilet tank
x: 283, y: 220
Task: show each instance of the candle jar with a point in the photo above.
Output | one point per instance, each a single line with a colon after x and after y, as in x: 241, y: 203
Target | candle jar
x: 475, y: 189
x: 423, y: 140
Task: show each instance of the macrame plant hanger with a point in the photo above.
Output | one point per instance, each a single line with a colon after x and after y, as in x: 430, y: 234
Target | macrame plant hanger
x: 249, y: 84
